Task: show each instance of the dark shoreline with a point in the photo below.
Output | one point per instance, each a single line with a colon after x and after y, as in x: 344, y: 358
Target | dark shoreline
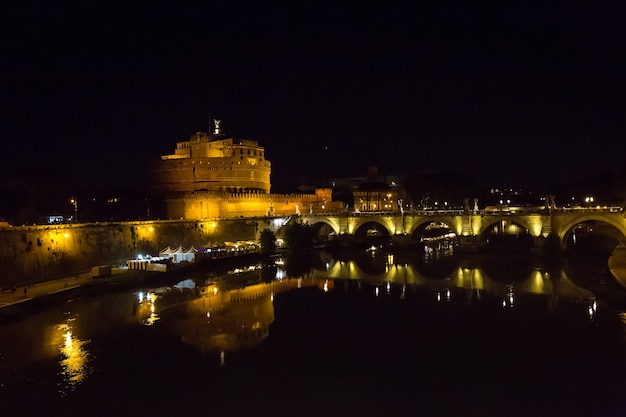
x: 604, y: 288
x: 127, y: 280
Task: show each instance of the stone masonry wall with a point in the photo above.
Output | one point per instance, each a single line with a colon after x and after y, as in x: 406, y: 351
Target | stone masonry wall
x: 36, y: 253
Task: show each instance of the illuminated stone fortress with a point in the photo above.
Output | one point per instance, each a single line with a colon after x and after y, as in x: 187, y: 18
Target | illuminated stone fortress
x: 212, y: 176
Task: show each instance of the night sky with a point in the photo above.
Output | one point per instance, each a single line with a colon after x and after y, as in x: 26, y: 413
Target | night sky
x: 523, y: 95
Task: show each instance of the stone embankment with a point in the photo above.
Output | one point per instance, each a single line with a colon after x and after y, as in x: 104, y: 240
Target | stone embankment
x: 15, y: 302
x: 32, y: 254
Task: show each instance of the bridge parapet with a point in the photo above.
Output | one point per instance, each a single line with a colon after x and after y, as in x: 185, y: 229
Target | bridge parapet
x: 539, y: 222
x: 611, y: 209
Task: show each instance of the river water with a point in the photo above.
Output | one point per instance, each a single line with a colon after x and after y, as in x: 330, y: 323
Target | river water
x: 358, y: 333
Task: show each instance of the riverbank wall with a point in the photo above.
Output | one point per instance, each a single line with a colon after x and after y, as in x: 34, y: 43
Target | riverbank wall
x: 30, y: 254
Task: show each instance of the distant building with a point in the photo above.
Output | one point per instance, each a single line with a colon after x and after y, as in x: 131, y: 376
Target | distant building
x: 57, y: 219
x: 374, y: 194
x: 507, y: 196
x: 215, y: 176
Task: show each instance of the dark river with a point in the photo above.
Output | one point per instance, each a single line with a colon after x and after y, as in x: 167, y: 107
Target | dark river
x: 351, y: 334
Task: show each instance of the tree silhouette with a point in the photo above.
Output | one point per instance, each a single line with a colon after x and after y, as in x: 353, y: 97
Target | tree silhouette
x: 298, y: 236
x: 267, y: 239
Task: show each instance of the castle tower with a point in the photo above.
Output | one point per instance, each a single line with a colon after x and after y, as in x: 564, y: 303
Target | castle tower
x: 211, y: 162
x: 207, y: 169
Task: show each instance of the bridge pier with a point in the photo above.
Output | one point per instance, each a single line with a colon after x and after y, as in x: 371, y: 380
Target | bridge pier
x: 402, y: 240
x: 468, y: 243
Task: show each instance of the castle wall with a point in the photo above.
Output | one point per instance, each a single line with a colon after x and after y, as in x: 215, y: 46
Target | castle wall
x: 36, y: 253
x: 213, y: 174
x: 210, y: 205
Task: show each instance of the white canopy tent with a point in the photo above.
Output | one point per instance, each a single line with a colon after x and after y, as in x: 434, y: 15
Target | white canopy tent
x: 183, y: 255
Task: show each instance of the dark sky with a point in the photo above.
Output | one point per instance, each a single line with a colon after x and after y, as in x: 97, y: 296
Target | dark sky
x: 522, y: 95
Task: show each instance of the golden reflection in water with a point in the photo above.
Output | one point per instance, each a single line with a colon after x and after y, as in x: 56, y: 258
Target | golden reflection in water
x: 74, y: 358
x: 593, y: 307
x: 224, y: 321
x: 557, y: 285
x: 147, y: 308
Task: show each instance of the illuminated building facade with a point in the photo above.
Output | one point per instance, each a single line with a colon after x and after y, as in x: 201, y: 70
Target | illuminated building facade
x: 217, y: 176
x: 214, y: 163
x: 372, y: 196
x: 375, y: 194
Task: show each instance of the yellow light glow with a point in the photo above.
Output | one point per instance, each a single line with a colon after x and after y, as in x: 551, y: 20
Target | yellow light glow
x: 151, y: 320
x: 66, y: 235
x: 535, y: 226
x: 74, y: 357
x: 537, y: 284
x: 476, y: 224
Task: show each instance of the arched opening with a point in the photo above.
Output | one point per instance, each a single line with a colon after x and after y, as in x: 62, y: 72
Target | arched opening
x: 323, y: 233
x: 507, y: 236
x: 588, y: 246
x: 592, y: 237
x: 435, y: 239
x: 372, y: 234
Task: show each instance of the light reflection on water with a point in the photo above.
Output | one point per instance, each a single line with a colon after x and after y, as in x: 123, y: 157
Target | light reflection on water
x: 74, y: 357
x: 236, y: 312
x: 147, y: 308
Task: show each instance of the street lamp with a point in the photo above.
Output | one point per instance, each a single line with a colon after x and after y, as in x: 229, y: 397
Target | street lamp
x: 74, y: 202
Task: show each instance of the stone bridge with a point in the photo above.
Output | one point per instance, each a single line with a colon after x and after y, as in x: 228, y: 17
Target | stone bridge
x: 471, y: 228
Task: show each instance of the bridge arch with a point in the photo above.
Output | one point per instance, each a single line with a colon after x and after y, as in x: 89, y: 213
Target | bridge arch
x: 361, y: 224
x: 567, y: 227
x: 318, y: 223
x: 584, y: 233
x: 503, y: 232
x: 323, y: 230
x: 372, y: 232
x: 421, y: 223
x: 488, y: 224
x: 438, y: 227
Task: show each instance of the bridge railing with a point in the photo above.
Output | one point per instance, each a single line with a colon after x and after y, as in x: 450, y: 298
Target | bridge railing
x: 458, y: 212
x: 610, y: 209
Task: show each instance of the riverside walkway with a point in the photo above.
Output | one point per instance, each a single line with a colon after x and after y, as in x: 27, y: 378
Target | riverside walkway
x: 11, y: 297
